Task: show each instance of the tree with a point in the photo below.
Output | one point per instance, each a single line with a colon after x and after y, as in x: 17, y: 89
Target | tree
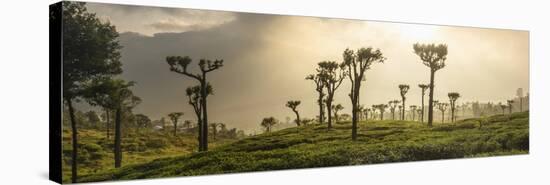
x: 319, y: 87
x: 423, y: 87
x: 367, y: 110
x: 400, y: 107
x: 382, y: 109
x: 116, y: 94
x: 519, y: 93
x: 174, y: 117
x: 293, y: 104
x: 194, y: 99
x: 179, y: 65
x: 453, y: 96
x: 442, y: 107
x: 214, y: 128
x: 92, y: 118
x: 187, y: 124
x: 403, y: 89
x: 503, y: 107
x: 268, y: 123
x: 510, y: 102
x: 142, y: 121
x: 331, y: 74
x: 337, y: 108
x: 393, y: 104
x: 356, y: 63
x: 419, y: 112
x: 90, y: 51
x: 433, y: 56
x: 413, y: 111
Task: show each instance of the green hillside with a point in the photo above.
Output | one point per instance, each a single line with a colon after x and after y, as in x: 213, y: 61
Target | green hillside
x: 315, y: 146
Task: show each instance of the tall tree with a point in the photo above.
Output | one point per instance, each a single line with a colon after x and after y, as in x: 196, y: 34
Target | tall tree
x: 423, y: 87
x: 174, y: 117
x: 413, y: 111
x: 179, y: 65
x: 356, y: 63
x: 194, y: 99
x: 332, y: 74
x: 510, y: 102
x: 403, y: 89
x: 337, y: 108
x: 293, y: 104
x: 90, y: 51
x: 393, y: 104
x: 319, y: 87
x: 434, y: 57
x: 453, y: 96
x: 268, y: 123
x: 442, y: 107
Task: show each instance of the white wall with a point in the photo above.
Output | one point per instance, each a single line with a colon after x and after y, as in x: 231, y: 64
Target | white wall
x: 24, y: 92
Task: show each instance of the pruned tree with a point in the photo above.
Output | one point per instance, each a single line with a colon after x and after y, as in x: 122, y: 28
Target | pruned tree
x: 413, y: 111
x: 382, y: 108
x: 268, y: 123
x: 403, y: 89
x: 419, y: 112
x: 174, y: 117
x: 442, y: 107
x: 503, y: 107
x: 453, y: 96
x: 433, y: 56
x: 393, y: 104
x: 356, y: 63
x: 90, y: 51
x: 180, y: 65
x: 337, y: 108
x: 331, y: 74
x: 510, y: 102
x: 293, y: 104
x: 423, y: 87
x: 319, y: 87
x: 194, y: 95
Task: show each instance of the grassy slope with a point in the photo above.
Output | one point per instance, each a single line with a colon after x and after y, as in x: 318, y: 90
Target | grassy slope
x: 315, y: 146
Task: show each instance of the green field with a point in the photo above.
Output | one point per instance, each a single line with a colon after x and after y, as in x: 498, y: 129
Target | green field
x: 315, y: 146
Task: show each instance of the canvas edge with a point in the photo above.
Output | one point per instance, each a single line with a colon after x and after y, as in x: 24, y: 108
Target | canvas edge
x: 55, y: 104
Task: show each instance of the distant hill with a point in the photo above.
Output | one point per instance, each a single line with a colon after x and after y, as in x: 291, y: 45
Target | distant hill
x: 315, y: 146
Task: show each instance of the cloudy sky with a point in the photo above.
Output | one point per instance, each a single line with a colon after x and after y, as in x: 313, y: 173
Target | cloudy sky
x: 268, y: 56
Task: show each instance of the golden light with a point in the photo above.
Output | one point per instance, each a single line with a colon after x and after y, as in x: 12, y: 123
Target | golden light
x: 417, y: 33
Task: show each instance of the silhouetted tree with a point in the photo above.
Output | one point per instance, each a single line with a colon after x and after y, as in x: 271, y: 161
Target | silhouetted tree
x: 510, y: 102
x: 382, y: 109
x: 423, y: 87
x: 214, y: 128
x: 268, y: 123
x: 337, y: 108
x: 403, y: 89
x: 90, y: 51
x: 434, y: 57
x: 419, y: 112
x: 400, y: 107
x: 174, y: 117
x: 194, y: 94
x: 453, y: 96
x: 187, y: 124
x: 442, y: 107
x: 332, y: 74
x: 413, y: 111
x: 294, y: 105
x: 393, y: 104
x: 319, y: 86
x: 356, y: 63
x: 503, y: 107
x: 179, y: 65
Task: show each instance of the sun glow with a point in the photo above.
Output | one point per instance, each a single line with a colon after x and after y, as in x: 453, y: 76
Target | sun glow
x: 418, y: 33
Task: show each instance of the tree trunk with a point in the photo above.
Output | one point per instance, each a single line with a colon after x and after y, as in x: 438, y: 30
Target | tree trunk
x: 175, y: 127
x: 74, y: 153
x: 204, y: 114
x: 442, y: 116
x: 422, y: 116
x: 297, y: 117
x: 108, y: 124
x: 355, y: 107
x: 430, y: 100
x: 321, y: 112
x: 381, y: 115
x: 403, y: 112
x: 329, y: 111
x: 118, y: 133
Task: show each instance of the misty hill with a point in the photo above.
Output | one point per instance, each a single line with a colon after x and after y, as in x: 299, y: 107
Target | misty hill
x: 315, y: 146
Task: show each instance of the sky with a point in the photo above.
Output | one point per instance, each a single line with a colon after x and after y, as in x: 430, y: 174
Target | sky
x: 267, y: 57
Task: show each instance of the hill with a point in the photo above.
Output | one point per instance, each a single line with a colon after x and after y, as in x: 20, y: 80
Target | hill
x: 315, y: 146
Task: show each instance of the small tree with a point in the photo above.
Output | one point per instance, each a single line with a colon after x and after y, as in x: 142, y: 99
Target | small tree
x: 319, y: 87
x: 453, y: 96
x: 268, y: 123
x: 187, y: 124
x: 337, y: 108
x: 382, y: 109
x: 393, y: 104
x: 413, y: 111
x: 503, y: 107
x: 403, y: 89
x: 179, y: 65
x: 434, y: 57
x: 214, y: 128
x: 423, y: 87
x: 142, y: 121
x: 356, y: 63
x: 442, y: 107
x: 510, y: 102
x: 293, y: 104
x: 174, y: 117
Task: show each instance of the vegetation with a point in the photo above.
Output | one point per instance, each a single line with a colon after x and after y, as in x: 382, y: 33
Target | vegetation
x: 313, y: 146
x: 403, y: 89
x: 294, y: 105
x: 423, y: 87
